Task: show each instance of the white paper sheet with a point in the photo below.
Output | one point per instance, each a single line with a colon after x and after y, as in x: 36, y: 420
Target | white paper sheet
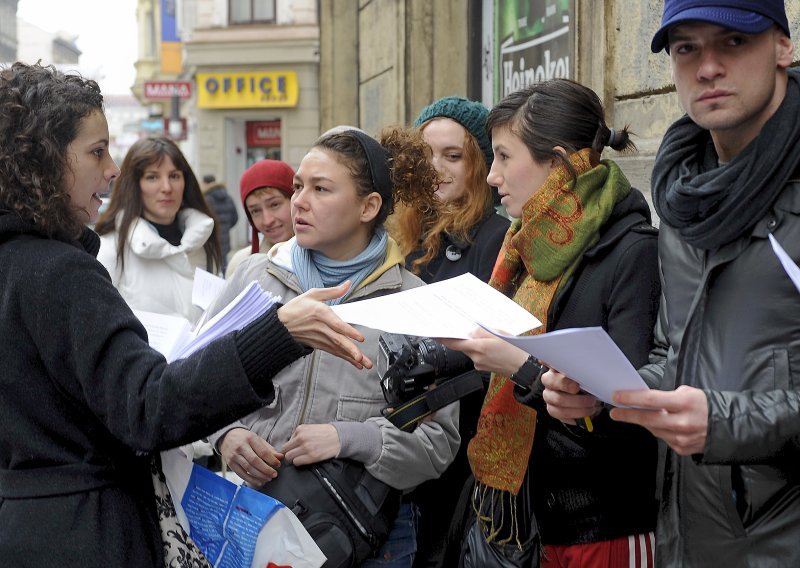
x: 789, y: 265
x: 175, y: 339
x: 166, y: 334
x: 206, y: 288
x: 587, y: 355
x: 449, y: 308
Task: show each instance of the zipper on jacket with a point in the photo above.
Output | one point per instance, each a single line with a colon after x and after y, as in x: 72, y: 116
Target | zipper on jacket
x: 309, y: 379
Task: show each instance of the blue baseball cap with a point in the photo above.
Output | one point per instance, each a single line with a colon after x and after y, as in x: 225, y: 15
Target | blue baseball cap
x: 746, y: 16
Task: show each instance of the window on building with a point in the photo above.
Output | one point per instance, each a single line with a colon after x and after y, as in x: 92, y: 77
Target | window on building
x: 150, y: 45
x: 251, y: 11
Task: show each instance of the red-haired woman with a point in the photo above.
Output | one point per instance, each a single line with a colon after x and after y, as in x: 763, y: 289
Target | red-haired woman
x: 463, y: 233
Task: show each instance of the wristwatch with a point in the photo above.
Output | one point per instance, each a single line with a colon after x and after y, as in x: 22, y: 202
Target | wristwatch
x: 528, y: 373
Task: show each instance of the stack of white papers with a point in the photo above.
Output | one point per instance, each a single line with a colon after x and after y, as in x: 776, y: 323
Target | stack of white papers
x: 174, y: 338
x: 450, y: 308
x: 206, y: 288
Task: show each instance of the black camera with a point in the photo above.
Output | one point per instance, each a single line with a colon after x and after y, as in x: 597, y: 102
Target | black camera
x: 407, y: 365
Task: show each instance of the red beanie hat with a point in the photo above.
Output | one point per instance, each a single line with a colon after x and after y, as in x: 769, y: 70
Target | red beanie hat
x: 265, y: 173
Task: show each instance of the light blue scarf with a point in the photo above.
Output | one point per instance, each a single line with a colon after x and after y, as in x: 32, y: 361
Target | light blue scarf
x: 315, y: 270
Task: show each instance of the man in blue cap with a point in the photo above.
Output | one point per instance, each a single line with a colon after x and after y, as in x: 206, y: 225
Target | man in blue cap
x: 727, y: 362
x: 725, y: 177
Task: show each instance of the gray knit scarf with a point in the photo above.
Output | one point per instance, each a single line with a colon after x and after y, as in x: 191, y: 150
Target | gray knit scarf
x: 315, y: 270
x: 711, y: 205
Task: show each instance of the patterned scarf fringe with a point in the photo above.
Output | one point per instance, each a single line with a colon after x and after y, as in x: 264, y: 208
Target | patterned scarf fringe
x: 491, y: 521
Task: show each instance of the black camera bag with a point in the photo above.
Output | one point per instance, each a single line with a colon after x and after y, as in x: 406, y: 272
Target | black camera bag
x: 346, y: 510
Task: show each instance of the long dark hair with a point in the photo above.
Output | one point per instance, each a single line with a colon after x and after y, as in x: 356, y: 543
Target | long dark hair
x: 41, y: 111
x: 554, y: 113
x: 127, y: 203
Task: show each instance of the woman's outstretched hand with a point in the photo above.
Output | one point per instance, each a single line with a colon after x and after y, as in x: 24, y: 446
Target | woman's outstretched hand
x: 313, y: 323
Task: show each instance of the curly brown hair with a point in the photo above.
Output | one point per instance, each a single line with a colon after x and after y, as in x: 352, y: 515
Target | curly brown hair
x: 126, y: 200
x: 415, y: 228
x: 41, y: 112
x: 413, y: 178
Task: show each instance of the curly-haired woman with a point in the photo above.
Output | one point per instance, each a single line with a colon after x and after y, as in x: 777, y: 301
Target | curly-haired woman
x: 462, y: 232
x: 344, y: 189
x: 85, y: 400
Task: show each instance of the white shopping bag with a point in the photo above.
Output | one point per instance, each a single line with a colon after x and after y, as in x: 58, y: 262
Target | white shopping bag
x: 235, y: 526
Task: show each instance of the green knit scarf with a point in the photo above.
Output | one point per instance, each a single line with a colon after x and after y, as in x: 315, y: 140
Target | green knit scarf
x: 560, y: 221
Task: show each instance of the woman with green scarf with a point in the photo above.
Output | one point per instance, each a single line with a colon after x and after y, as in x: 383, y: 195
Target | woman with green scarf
x: 581, y: 252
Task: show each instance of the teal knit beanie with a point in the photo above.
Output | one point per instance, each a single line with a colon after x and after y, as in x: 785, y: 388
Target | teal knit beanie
x: 469, y: 114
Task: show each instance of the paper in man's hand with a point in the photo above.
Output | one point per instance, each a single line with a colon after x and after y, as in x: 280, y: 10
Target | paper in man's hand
x: 587, y: 355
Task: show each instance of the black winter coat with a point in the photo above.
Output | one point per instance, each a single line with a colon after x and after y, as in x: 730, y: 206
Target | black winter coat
x: 730, y: 325
x: 457, y: 258
x: 225, y: 212
x: 593, y: 486
x: 85, y: 400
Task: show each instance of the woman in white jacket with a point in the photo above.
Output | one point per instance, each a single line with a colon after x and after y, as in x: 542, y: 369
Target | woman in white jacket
x: 157, y: 230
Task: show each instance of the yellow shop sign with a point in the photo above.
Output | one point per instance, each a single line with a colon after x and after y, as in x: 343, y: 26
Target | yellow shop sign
x: 269, y: 89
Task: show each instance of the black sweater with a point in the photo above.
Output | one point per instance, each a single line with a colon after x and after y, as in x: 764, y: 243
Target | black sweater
x: 85, y: 399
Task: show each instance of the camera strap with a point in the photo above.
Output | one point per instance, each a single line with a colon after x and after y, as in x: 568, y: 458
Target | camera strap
x: 406, y: 415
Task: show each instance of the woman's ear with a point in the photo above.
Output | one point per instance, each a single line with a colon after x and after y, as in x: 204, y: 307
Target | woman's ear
x: 555, y: 161
x: 370, y: 206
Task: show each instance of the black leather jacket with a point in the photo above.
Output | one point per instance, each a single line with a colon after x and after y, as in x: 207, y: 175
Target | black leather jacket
x: 730, y: 325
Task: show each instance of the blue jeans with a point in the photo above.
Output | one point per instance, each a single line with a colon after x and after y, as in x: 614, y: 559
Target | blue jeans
x: 401, y: 545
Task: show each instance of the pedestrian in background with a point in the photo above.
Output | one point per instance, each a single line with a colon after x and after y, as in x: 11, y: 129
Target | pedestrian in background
x: 86, y: 402
x: 224, y: 209
x: 157, y: 230
x: 265, y: 188
x: 582, y: 253
x: 461, y: 233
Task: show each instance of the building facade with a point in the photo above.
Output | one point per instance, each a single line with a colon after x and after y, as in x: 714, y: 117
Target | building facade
x: 34, y: 43
x: 250, y: 76
x: 8, y: 30
x: 407, y: 53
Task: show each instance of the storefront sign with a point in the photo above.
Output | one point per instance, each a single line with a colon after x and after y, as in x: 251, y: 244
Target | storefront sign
x: 269, y: 89
x: 264, y: 133
x: 534, y: 42
x: 165, y: 90
x: 171, y: 47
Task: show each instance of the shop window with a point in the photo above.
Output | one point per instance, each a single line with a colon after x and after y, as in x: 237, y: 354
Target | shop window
x: 251, y: 11
x: 263, y: 140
